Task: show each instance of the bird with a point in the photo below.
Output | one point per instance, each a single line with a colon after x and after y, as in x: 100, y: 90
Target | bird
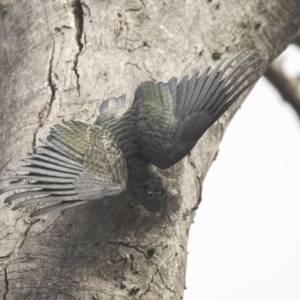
x: 80, y: 162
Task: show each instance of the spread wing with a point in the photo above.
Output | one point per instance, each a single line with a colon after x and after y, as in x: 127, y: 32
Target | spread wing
x: 78, y: 163
x: 172, y: 117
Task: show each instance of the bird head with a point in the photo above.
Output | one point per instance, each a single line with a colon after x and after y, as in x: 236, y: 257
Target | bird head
x: 146, y: 188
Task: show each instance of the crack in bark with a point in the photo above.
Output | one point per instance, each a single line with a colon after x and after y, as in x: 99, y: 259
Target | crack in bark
x: 44, y: 230
x: 169, y: 289
x: 143, y: 3
x: 127, y: 245
x: 199, y: 177
x: 6, y: 283
x: 5, y: 256
x: 147, y: 290
x: 161, y: 278
x: 198, y: 174
x: 93, y: 115
x: 126, y: 260
x: 149, y: 72
x: 5, y: 236
x: 77, y: 6
x: 46, y: 109
x: 6, y: 163
x: 157, y: 271
x: 18, y: 245
x: 50, y: 80
x: 145, y: 44
x: 145, y: 70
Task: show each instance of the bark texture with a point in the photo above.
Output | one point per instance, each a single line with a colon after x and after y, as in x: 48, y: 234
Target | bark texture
x: 61, y: 59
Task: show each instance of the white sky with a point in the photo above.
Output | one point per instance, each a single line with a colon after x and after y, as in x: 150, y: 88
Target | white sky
x: 245, y: 242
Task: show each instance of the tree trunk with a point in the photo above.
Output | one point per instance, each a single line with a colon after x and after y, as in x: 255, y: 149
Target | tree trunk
x: 60, y: 60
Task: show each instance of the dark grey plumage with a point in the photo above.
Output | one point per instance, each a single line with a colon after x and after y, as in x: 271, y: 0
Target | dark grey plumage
x: 80, y: 162
x: 178, y: 115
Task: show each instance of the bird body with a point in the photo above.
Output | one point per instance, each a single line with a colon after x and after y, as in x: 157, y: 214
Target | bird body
x: 82, y: 162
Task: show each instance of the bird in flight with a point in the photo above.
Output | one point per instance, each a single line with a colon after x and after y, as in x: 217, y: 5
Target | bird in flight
x: 81, y: 162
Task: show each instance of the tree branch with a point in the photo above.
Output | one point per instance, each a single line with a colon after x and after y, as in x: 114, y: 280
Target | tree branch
x: 287, y: 87
x: 297, y: 41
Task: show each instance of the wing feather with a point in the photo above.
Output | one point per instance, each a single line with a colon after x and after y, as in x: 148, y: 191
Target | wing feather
x: 189, y: 95
x: 181, y: 92
x: 173, y: 89
x: 78, y: 163
x: 199, y: 86
x: 168, y: 129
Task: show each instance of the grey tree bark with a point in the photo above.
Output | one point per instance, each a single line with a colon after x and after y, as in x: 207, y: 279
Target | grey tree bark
x: 60, y: 60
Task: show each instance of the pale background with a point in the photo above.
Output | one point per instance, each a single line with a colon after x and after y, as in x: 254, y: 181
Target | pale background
x: 245, y: 242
